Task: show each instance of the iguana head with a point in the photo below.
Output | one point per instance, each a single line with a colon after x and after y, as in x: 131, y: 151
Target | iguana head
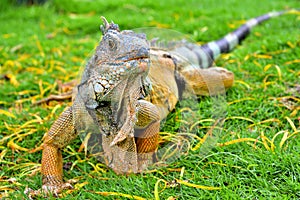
x: 121, y: 46
x: 119, y: 55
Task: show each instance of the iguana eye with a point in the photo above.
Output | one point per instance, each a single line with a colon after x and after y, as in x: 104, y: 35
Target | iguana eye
x: 112, y: 44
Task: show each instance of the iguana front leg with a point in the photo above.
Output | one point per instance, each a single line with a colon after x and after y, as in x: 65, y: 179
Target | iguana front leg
x: 59, y: 135
x: 146, y: 133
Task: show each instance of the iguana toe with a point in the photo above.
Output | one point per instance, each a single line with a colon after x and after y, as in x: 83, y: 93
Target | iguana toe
x: 54, y: 189
x: 47, y: 190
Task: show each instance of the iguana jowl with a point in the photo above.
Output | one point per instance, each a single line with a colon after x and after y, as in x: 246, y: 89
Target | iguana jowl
x: 124, y: 95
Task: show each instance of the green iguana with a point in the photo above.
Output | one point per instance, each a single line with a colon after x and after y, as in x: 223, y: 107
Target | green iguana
x: 126, y: 89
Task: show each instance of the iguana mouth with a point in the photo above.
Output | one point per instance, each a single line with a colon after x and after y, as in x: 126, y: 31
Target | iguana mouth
x: 140, y: 54
x: 137, y: 58
x: 141, y: 63
x: 120, y: 61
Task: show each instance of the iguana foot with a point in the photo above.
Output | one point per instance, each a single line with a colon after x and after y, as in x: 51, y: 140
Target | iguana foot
x: 56, y: 189
x: 47, y: 190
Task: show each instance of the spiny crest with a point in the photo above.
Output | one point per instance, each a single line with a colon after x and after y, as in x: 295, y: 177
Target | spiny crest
x: 108, y: 26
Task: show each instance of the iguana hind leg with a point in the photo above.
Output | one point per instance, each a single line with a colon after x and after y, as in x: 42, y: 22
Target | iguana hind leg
x: 209, y: 81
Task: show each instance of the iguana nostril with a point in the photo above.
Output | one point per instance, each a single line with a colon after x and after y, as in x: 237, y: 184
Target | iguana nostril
x: 143, y: 52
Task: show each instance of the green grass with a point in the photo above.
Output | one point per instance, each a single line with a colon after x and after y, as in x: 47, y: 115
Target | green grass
x: 42, y: 44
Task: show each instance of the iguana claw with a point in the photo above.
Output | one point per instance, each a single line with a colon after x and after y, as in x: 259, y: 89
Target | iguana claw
x: 47, y: 190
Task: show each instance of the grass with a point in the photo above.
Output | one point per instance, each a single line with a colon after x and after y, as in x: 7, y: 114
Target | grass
x: 257, y: 156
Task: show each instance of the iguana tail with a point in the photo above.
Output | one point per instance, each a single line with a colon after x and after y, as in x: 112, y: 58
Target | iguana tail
x: 208, y: 52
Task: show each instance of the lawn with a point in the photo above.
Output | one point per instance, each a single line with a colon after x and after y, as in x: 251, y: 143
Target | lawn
x: 257, y: 153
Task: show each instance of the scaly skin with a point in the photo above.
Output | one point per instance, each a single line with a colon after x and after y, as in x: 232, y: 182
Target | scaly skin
x: 126, y: 90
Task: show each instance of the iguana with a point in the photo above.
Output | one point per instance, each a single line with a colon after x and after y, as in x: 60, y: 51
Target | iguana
x: 126, y: 89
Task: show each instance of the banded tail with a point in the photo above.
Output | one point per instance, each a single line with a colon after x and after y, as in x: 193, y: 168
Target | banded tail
x: 208, y: 52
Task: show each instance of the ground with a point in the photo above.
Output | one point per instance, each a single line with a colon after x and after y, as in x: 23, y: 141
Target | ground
x: 255, y: 157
